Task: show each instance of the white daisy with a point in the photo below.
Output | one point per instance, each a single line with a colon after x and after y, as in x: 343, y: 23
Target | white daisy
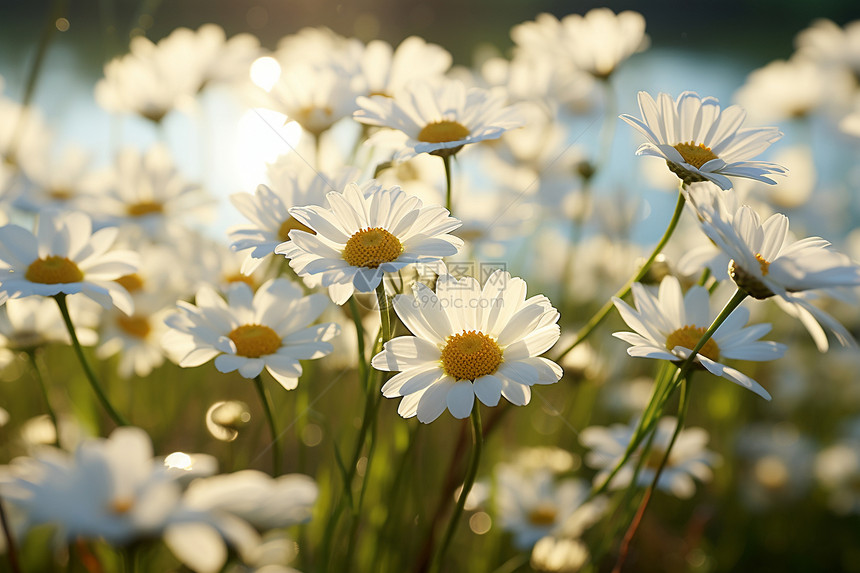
x: 268, y: 211
x: 699, y: 141
x: 688, y: 459
x: 270, y: 329
x: 783, y: 90
x: 669, y: 325
x: 766, y: 261
x: 365, y: 234
x: 144, y: 191
x: 65, y: 256
x: 469, y: 342
x: 385, y: 70
x: 29, y: 323
x: 534, y: 504
x: 111, y: 489
x: 136, y: 337
x: 596, y: 43
x: 436, y: 117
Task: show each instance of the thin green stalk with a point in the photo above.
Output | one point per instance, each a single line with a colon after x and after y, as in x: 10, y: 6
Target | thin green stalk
x: 468, y: 482
x: 730, y: 306
x: 446, y: 159
x: 118, y: 418
x: 11, y: 548
x: 634, y: 525
x: 601, y: 314
x: 267, y: 407
x: 359, y: 333
x: 643, y: 428
x: 37, y: 371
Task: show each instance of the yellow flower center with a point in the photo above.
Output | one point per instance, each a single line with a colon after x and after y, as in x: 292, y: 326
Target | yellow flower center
x: 695, y: 155
x: 53, y: 270
x: 135, y: 325
x: 289, y: 225
x: 60, y: 194
x: 470, y: 355
x: 372, y: 247
x: 443, y: 131
x: 131, y: 283
x: 543, y: 515
x: 240, y: 278
x: 255, y: 340
x: 121, y: 505
x: 763, y: 263
x: 688, y: 336
x: 144, y: 208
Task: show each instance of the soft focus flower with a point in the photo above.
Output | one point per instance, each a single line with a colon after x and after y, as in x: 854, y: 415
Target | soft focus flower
x: 144, y: 191
x: 137, y: 337
x: 65, y: 256
x: 249, y: 331
x: 596, y: 43
x: 364, y: 234
x: 385, y: 70
x: 700, y: 142
x: 783, y: 90
x: 256, y: 498
x: 108, y: 489
x: 688, y: 459
x: 469, y: 342
x: 533, y: 504
x: 670, y: 324
x: 56, y: 183
x: 436, y: 117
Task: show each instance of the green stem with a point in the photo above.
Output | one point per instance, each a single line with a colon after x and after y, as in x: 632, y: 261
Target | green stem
x: 730, y: 306
x: 446, y: 159
x: 56, y: 10
x: 601, y: 314
x: 384, y: 311
x: 468, y: 482
x: 37, y: 370
x: 118, y: 419
x: 11, y: 549
x: 634, y: 525
x: 267, y: 407
x: 359, y: 333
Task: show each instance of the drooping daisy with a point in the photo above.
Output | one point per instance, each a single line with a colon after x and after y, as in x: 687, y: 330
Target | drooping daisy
x: 268, y: 211
x: 669, y: 325
x: 365, y: 234
x: 469, y: 342
x: 688, y: 459
x: 436, y: 117
x: 766, y: 261
x: 65, y: 256
x: 700, y: 142
x: 250, y: 331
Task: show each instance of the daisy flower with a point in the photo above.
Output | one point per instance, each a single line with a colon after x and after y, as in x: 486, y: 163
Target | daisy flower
x: 110, y: 488
x: 784, y: 90
x: 143, y: 191
x: 385, y: 70
x: 469, y: 342
x: 65, y: 256
x: 366, y: 233
x: 667, y: 327
x: 137, y: 337
x: 766, y: 261
x: 700, y: 142
x: 250, y: 331
x: 268, y: 211
x: 533, y: 504
x: 436, y: 117
x: 688, y: 459
x: 596, y: 43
